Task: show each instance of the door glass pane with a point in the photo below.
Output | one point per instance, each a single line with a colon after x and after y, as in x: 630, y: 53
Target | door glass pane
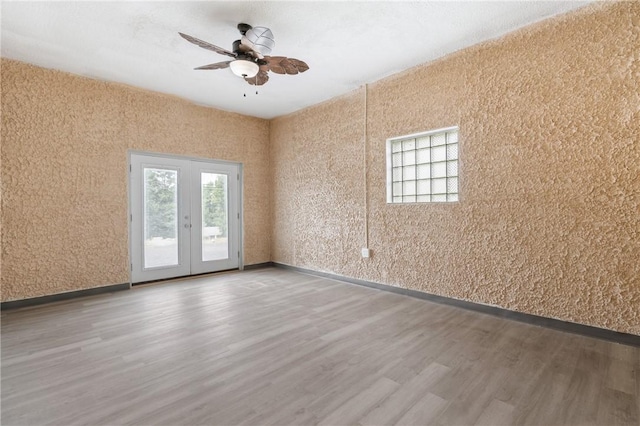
x: 214, y: 216
x: 160, y: 217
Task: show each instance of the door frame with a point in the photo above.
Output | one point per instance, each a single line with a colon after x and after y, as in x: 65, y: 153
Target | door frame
x: 240, y: 205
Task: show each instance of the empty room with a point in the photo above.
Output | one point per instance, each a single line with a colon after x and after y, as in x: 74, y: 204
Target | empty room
x: 320, y: 213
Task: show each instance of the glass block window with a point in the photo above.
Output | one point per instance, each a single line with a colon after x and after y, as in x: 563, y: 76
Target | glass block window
x: 423, y: 168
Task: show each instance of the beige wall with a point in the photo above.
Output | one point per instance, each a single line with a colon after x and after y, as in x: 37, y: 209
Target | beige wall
x: 64, y: 174
x: 549, y: 217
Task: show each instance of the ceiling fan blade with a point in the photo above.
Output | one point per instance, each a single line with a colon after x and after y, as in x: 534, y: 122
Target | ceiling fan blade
x: 273, y: 62
x: 261, y: 78
x: 207, y: 46
x: 216, y: 66
x: 284, y: 65
x: 301, y: 65
x: 288, y: 66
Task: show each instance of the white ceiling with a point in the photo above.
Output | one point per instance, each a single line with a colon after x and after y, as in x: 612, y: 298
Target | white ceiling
x: 346, y: 44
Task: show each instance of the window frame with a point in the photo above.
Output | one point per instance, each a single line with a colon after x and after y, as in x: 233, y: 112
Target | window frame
x: 389, y: 165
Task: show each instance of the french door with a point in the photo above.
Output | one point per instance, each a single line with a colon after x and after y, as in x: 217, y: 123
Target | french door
x: 184, y: 217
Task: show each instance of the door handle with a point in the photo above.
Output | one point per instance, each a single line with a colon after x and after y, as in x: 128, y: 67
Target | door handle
x: 187, y: 225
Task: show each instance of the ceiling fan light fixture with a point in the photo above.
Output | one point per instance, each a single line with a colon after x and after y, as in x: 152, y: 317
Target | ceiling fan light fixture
x: 244, y: 68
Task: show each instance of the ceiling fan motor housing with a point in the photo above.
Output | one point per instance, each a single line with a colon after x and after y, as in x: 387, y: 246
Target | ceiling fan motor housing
x: 235, y: 47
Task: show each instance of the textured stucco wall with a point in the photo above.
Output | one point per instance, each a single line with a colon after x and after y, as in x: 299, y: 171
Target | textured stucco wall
x: 549, y: 217
x: 64, y: 174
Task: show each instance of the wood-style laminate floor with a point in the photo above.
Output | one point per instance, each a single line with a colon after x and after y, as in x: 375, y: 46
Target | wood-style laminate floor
x: 278, y: 347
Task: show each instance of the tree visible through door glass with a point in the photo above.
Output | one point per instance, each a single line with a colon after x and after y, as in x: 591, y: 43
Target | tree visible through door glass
x: 215, y: 222
x: 160, y: 217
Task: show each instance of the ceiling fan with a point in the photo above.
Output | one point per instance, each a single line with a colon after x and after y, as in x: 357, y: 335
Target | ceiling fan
x: 250, y: 56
